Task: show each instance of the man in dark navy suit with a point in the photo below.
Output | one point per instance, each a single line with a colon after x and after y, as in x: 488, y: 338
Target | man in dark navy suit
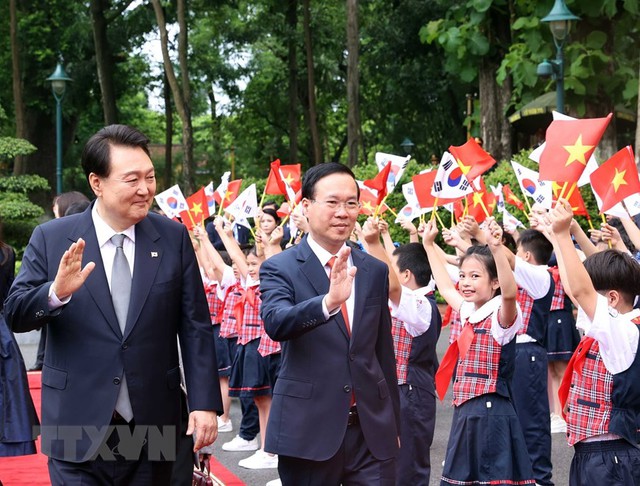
x: 116, y: 287
x: 335, y: 412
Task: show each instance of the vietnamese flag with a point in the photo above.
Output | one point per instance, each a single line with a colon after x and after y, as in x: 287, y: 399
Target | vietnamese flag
x: 197, y: 207
x: 478, y: 201
x: 472, y: 159
x: 379, y: 183
x: 291, y: 174
x: 577, y: 203
x: 422, y: 184
x: 616, y: 179
x: 568, y: 146
x: 231, y: 193
x: 369, y: 203
x: 511, y: 198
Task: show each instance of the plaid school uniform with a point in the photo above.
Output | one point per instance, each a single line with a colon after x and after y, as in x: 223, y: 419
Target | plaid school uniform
x: 267, y: 345
x: 486, y: 444
x: 402, y: 346
x: 216, y: 306
x: 456, y: 326
x: 228, y: 326
x: 250, y: 327
x: 589, y: 400
x: 558, y: 301
x: 478, y: 373
x: 526, y: 305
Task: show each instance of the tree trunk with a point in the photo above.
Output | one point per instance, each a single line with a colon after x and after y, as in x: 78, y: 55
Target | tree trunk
x: 168, y: 134
x: 353, y: 84
x: 495, y: 128
x: 292, y: 23
x: 104, y: 61
x: 179, y: 95
x: 311, y: 87
x: 19, y: 166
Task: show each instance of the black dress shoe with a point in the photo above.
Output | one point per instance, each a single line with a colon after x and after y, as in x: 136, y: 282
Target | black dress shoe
x: 35, y: 368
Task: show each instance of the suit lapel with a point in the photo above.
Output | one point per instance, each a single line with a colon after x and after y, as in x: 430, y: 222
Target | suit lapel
x: 149, y: 256
x: 317, y: 277
x: 96, y: 284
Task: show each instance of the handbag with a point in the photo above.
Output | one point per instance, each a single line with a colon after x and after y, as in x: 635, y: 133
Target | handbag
x: 202, y: 471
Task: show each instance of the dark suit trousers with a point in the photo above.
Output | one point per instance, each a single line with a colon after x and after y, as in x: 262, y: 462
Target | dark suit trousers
x: 111, y: 472
x: 352, y: 465
x: 417, y: 425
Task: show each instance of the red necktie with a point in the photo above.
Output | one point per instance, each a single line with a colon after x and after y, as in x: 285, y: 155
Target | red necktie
x: 575, y: 364
x: 343, y: 307
x: 457, y: 349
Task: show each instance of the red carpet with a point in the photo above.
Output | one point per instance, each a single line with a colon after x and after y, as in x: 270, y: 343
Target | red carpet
x: 32, y: 469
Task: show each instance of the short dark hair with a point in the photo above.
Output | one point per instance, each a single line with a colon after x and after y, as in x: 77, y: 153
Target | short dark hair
x: 77, y: 207
x: 413, y: 257
x: 68, y: 199
x: 320, y: 171
x: 273, y: 214
x: 535, y: 242
x: 614, y: 270
x: 96, y: 156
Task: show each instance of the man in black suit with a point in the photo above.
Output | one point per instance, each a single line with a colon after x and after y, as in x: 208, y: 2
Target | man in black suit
x: 335, y: 412
x: 116, y: 286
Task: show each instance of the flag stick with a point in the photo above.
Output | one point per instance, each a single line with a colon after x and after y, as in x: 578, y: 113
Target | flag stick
x: 264, y: 193
x: 589, y: 221
x: 393, y: 212
x: 285, y: 219
x: 433, y: 209
x: 571, y: 189
x: 604, y: 221
x: 439, y: 220
x: 375, y: 214
x: 221, y: 204
x: 564, y: 186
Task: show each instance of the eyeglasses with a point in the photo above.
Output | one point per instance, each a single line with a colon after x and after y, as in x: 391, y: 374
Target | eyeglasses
x: 333, y: 205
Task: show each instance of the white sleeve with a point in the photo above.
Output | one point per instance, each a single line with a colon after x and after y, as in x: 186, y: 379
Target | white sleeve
x: 414, y: 310
x: 615, y: 333
x: 535, y: 279
x: 228, y: 279
x: 499, y: 333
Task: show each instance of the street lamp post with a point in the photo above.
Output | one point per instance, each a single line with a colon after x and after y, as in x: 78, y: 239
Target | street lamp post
x: 559, y: 19
x: 58, y: 82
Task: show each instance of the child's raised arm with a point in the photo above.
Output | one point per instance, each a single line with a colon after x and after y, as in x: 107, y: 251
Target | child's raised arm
x: 573, y: 275
x: 225, y: 231
x: 445, y: 286
x: 508, y: 286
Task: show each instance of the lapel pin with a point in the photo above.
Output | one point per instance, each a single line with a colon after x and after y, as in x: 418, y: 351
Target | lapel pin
x: 154, y: 254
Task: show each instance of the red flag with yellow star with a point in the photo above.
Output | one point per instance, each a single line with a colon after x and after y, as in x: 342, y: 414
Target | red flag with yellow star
x: 616, y: 179
x: 197, y: 206
x: 511, y: 198
x: 569, y: 144
x: 477, y: 199
x: 379, y: 182
x: 577, y: 203
x: 369, y: 202
x: 291, y: 174
x: 231, y: 193
x: 472, y: 159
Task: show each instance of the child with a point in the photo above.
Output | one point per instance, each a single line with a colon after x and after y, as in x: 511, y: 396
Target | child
x: 600, y: 391
x: 529, y: 386
x: 415, y: 328
x: 249, y: 372
x: 486, y: 444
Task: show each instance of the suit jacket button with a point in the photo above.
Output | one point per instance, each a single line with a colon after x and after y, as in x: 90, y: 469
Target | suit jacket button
x: 116, y: 380
x: 347, y: 389
x: 125, y: 346
x: 352, y: 356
